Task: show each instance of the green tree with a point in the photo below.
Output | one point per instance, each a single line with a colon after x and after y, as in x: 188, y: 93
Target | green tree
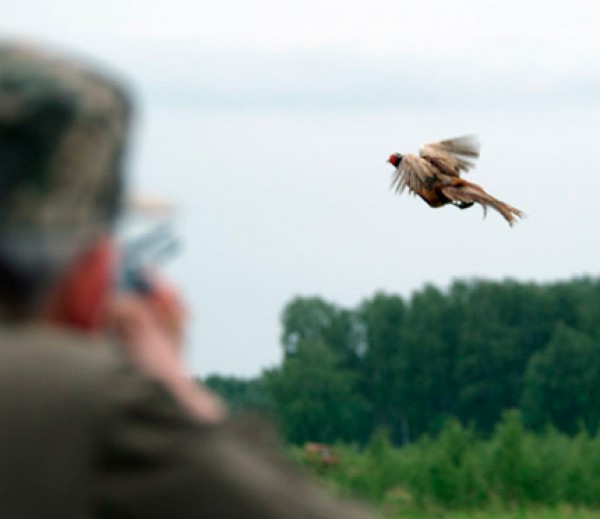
x: 562, y: 383
x: 501, y: 325
x: 316, y: 398
x: 381, y: 318
x: 311, y: 319
x: 241, y: 395
x: 426, y: 381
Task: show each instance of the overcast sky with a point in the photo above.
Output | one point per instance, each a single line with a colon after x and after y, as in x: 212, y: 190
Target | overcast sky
x: 269, y: 123
x: 236, y: 52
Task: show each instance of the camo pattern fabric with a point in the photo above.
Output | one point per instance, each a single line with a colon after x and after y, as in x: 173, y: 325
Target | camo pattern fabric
x: 62, y: 138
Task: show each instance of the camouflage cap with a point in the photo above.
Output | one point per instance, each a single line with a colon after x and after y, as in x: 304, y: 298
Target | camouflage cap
x: 62, y: 135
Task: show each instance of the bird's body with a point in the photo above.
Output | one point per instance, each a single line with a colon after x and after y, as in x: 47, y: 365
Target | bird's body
x: 434, y: 175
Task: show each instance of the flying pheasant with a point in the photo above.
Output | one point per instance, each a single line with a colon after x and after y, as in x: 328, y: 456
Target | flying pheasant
x: 434, y: 175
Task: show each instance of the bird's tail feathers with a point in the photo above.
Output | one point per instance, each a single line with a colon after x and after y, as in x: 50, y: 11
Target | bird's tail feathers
x: 469, y: 192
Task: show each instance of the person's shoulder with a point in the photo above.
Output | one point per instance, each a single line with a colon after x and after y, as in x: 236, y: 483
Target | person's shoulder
x: 55, y: 351
x: 70, y: 369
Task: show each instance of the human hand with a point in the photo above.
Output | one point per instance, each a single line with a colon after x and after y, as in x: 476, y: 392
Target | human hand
x: 150, y: 329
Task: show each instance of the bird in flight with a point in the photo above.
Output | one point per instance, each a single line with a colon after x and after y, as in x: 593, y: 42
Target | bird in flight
x: 434, y: 175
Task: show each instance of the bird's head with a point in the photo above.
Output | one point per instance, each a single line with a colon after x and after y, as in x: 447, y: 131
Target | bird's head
x: 395, y: 159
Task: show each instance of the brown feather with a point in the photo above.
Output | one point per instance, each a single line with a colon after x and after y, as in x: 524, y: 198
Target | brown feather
x: 434, y: 175
x: 413, y: 173
x: 463, y: 191
x: 449, y: 155
x: 467, y: 145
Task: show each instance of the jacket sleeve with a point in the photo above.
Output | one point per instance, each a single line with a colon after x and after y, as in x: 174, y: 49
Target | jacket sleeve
x: 154, y: 462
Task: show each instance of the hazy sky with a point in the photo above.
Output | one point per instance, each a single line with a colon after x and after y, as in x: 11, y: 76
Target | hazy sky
x: 243, y: 53
x: 269, y: 123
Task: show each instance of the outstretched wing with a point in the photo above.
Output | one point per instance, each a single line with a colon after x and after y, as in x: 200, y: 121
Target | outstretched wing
x: 450, y: 156
x: 413, y: 173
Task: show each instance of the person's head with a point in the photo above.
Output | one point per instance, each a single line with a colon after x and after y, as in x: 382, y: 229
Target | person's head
x: 63, y: 129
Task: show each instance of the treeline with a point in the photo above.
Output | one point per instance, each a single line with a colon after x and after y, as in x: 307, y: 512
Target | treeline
x: 469, y: 352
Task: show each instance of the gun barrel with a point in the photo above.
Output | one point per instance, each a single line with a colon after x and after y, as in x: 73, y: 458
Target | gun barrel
x: 153, y: 247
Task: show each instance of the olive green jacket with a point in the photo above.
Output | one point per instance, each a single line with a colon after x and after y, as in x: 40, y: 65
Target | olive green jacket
x: 85, y: 435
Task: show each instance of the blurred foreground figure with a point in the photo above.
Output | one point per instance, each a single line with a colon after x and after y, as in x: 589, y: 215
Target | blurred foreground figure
x: 98, y: 417
x: 435, y: 176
